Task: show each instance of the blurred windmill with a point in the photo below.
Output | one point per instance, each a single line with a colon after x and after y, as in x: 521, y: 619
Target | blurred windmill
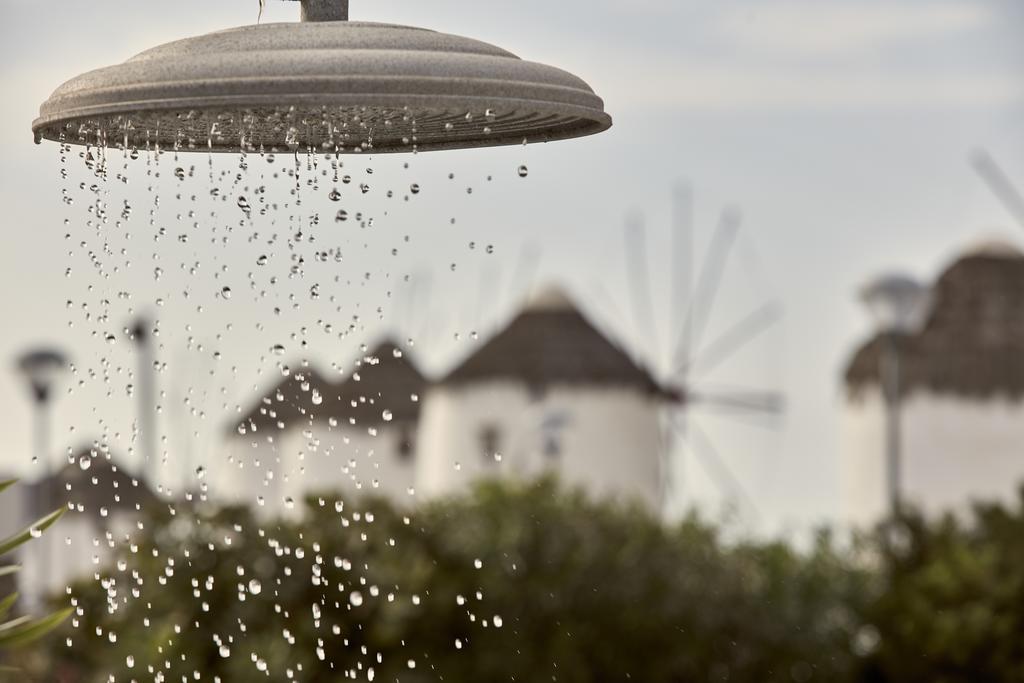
x: 675, y: 340
x: 682, y: 353
x: 1000, y: 184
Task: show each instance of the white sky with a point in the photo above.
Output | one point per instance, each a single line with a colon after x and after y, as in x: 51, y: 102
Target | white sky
x: 841, y: 128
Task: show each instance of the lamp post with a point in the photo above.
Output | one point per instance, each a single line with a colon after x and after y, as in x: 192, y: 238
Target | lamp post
x: 898, y: 305
x: 41, y: 368
x: 141, y: 333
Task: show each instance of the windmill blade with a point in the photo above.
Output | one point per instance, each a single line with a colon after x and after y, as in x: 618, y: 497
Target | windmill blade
x: 405, y: 306
x: 681, y: 269
x: 674, y: 470
x: 637, y: 272
x: 616, y: 320
x: 487, y: 295
x: 710, y: 280
x: 767, y: 402
x: 712, y: 462
x: 525, y: 271
x: 423, y: 296
x: 734, y: 339
x: 1000, y: 184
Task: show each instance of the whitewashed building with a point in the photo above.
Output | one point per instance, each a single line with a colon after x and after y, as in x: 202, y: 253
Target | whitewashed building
x: 962, y: 382
x: 310, y: 434
x: 104, y: 506
x: 548, y: 393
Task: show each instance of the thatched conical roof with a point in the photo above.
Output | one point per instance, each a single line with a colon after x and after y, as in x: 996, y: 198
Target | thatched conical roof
x: 972, y: 344
x: 380, y: 389
x: 102, y: 484
x: 552, y: 343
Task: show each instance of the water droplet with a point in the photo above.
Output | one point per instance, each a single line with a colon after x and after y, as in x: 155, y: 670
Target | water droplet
x: 255, y: 587
x: 226, y: 292
x: 335, y: 195
x: 356, y: 598
x: 262, y: 260
x: 387, y: 416
x: 523, y: 171
x: 179, y: 173
x: 277, y: 349
x: 414, y: 188
x: 85, y: 462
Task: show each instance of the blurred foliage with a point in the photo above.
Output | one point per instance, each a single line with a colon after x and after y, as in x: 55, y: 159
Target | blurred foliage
x: 22, y: 630
x: 520, y: 582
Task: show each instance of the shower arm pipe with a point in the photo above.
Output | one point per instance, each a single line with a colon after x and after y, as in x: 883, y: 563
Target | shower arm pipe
x: 324, y: 10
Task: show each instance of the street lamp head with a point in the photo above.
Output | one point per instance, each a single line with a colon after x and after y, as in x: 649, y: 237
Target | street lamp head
x: 898, y: 304
x: 41, y: 368
x: 140, y: 330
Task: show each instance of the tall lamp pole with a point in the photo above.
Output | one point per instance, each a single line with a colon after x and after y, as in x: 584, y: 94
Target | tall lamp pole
x: 899, y: 306
x: 141, y: 333
x: 41, y: 368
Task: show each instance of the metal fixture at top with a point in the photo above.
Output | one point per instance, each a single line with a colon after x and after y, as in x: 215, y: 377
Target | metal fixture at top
x: 324, y: 84
x: 325, y: 10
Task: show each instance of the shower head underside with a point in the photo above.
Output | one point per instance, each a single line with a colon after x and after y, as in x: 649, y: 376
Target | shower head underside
x: 324, y: 85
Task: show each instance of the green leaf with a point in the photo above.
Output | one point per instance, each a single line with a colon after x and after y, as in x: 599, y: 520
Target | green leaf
x: 12, y: 542
x: 24, y: 633
x: 7, y: 571
x: 13, y: 624
x: 6, y: 484
x: 7, y: 603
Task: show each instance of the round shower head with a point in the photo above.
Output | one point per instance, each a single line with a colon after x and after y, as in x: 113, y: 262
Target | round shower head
x: 324, y: 84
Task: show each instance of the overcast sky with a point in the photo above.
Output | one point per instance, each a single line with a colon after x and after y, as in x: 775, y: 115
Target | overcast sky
x: 841, y: 129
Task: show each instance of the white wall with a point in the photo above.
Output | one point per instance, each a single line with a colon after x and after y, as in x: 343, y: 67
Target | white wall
x: 298, y: 461
x: 955, y: 451
x: 610, y: 442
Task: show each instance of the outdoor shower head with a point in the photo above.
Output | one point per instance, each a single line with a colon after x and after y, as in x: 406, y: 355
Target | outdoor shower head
x: 326, y: 85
